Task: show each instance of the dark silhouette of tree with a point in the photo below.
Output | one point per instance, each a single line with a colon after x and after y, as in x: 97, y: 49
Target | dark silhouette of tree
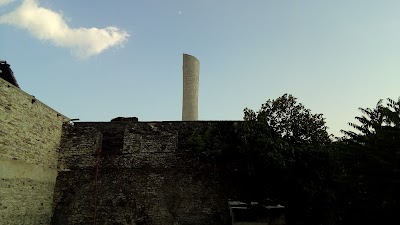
x: 374, y: 148
x: 291, y: 120
x: 291, y: 148
x: 278, y: 154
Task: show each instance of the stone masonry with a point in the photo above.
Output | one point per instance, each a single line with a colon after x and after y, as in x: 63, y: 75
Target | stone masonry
x: 122, y: 172
x: 146, y: 180
x: 30, y: 135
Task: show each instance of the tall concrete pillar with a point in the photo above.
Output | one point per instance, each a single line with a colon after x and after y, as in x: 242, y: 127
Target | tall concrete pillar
x: 191, y: 71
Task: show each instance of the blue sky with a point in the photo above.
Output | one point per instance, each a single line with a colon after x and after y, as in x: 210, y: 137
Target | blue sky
x: 96, y: 60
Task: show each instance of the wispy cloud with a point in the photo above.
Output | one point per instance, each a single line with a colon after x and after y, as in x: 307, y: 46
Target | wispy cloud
x: 5, y: 2
x: 48, y: 25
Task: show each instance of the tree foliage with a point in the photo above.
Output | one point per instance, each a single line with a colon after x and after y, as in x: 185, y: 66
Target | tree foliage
x: 291, y: 120
x: 378, y: 132
x: 283, y: 152
x: 293, y: 144
x: 373, y: 148
x: 279, y: 152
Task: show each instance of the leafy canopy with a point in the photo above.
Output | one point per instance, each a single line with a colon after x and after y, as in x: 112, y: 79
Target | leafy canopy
x: 291, y: 120
x: 372, y: 168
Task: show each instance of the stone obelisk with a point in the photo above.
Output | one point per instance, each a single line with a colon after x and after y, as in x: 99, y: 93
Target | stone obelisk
x: 191, y: 72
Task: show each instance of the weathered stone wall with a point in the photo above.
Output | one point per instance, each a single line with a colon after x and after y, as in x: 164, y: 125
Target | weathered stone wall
x: 30, y: 134
x: 146, y: 180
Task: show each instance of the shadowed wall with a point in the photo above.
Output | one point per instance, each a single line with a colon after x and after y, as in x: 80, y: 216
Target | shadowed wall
x: 148, y: 179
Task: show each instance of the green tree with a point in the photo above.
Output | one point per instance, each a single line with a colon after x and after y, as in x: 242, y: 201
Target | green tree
x: 289, y: 147
x: 291, y: 120
x: 378, y: 133
x: 279, y: 152
x: 373, y: 150
x: 371, y: 122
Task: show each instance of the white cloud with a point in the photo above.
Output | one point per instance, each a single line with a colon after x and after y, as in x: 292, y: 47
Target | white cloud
x: 46, y: 24
x: 5, y: 2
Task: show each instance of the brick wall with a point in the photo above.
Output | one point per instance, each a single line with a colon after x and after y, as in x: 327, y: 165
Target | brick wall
x: 30, y: 134
x: 146, y: 180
